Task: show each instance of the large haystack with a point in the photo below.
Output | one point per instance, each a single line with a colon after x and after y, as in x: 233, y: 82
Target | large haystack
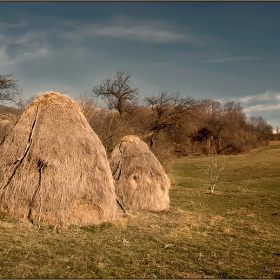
x: 53, y: 167
x: 140, y: 180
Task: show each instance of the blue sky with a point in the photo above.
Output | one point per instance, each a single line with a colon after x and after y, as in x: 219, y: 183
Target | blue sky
x: 217, y: 50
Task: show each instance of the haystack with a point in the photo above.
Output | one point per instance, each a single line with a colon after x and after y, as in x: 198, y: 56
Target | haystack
x: 140, y: 180
x: 54, y: 168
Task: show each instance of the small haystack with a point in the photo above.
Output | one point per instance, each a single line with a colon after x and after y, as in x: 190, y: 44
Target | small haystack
x: 140, y: 180
x: 54, y: 168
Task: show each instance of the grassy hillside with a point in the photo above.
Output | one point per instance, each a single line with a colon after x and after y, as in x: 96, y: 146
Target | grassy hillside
x: 233, y: 233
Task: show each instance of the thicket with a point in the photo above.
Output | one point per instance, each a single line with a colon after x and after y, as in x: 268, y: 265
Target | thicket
x: 182, y: 127
x: 170, y: 124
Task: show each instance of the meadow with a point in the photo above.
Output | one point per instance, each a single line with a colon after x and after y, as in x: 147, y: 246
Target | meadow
x: 232, y: 233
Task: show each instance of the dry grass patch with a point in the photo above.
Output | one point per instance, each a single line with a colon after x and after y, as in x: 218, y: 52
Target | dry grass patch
x: 233, y: 234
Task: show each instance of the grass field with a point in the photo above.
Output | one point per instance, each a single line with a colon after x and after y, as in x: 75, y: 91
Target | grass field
x: 233, y: 233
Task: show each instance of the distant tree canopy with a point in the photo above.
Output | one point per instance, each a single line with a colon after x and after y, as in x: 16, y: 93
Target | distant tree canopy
x: 9, y: 89
x: 118, y: 92
x: 172, y: 125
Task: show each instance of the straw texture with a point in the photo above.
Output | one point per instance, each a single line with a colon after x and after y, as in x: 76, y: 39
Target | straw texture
x: 54, y: 168
x: 140, y: 180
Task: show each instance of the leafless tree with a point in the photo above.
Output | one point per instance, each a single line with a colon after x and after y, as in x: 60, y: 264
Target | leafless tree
x: 168, y: 110
x: 88, y: 105
x: 260, y: 128
x: 22, y: 103
x: 214, y: 168
x: 118, y: 92
x: 211, y: 107
x: 9, y: 89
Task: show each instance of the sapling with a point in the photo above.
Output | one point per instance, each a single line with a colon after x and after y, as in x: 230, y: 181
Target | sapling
x: 214, y: 169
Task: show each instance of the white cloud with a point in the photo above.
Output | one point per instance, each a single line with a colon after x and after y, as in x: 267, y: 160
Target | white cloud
x: 245, y: 99
x: 230, y: 59
x: 34, y: 44
x: 5, y: 25
x: 41, y: 52
x: 146, y: 31
x: 267, y: 104
x: 148, y: 34
x: 268, y: 96
x: 262, y: 107
x: 11, y: 39
x: 30, y: 45
x: 24, y: 56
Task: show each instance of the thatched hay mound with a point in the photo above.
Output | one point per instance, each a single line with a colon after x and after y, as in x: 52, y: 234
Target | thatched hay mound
x: 53, y: 167
x: 140, y: 180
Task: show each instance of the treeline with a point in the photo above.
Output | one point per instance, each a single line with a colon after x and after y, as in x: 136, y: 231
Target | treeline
x: 175, y: 126
x: 170, y: 124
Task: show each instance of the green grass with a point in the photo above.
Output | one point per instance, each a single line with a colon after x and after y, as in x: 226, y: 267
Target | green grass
x: 233, y: 233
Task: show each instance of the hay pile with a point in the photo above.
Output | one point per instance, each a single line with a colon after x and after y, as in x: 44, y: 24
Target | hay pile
x: 53, y: 167
x: 140, y: 180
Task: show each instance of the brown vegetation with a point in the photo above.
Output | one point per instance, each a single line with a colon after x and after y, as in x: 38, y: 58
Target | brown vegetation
x: 8, y: 116
x: 172, y: 126
x: 140, y: 180
x: 53, y: 167
x: 9, y: 89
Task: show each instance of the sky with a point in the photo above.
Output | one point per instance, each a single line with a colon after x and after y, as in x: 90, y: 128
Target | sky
x: 208, y: 50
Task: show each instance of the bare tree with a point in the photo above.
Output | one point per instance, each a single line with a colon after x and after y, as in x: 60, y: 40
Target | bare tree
x: 214, y: 169
x: 9, y: 89
x: 22, y: 103
x: 9, y: 92
x: 88, y: 105
x: 118, y: 92
x: 168, y: 110
x: 260, y: 128
x: 211, y: 107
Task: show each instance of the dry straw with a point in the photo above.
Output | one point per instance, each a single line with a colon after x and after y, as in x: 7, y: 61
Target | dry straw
x: 54, y: 168
x: 140, y: 180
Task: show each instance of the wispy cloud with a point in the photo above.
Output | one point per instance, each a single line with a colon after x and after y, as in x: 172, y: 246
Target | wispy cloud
x: 6, y: 26
x: 261, y: 108
x: 130, y: 29
x: 29, y: 55
x: 268, y: 96
x: 140, y: 33
x: 230, y: 59
x: 29, y: 43
x: 268, y: 103
x: 145, y: 33
x: 162, y: 63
